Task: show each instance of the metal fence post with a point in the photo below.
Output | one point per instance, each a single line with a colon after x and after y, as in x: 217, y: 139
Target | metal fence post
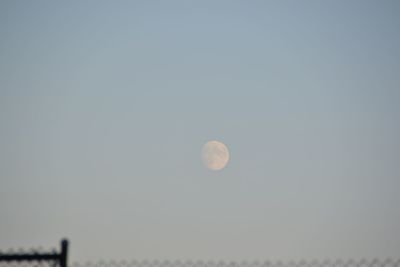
x: 64, y: 253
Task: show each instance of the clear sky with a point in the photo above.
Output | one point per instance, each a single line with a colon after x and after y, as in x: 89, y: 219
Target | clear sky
x: 105, y: 105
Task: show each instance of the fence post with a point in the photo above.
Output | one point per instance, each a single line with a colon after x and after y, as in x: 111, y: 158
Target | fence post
x: 64, y: 253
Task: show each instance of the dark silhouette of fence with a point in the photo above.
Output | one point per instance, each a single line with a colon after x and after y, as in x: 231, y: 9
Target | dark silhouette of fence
x: 200, y: 263
x: 36, y: 258
x: 59, y: 259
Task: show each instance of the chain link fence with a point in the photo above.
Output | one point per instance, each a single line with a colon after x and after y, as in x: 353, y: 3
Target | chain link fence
x: 35, y: 257
x: 200, y: 263
x: 40, y: 258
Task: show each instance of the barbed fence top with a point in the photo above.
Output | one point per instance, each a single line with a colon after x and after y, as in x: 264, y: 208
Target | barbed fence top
x: 388, y: 262
x: 38, y: 257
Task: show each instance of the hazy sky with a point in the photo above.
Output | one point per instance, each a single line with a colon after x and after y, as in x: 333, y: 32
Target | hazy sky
x: 104, y: 108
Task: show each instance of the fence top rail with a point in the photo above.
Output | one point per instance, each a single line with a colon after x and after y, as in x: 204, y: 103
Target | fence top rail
x: 35, y: 256
x: 30, y: 257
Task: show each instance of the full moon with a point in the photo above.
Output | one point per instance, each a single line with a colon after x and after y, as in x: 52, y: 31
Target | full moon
x: 215, y: 155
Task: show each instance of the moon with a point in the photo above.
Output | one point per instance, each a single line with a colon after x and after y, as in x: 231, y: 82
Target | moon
x: 215, y: 155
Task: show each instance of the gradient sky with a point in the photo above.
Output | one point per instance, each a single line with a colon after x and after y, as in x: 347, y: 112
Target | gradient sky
x: 104, y: 108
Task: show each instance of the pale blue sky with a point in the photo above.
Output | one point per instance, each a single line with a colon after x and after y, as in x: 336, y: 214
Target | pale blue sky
x: 104, y: 108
